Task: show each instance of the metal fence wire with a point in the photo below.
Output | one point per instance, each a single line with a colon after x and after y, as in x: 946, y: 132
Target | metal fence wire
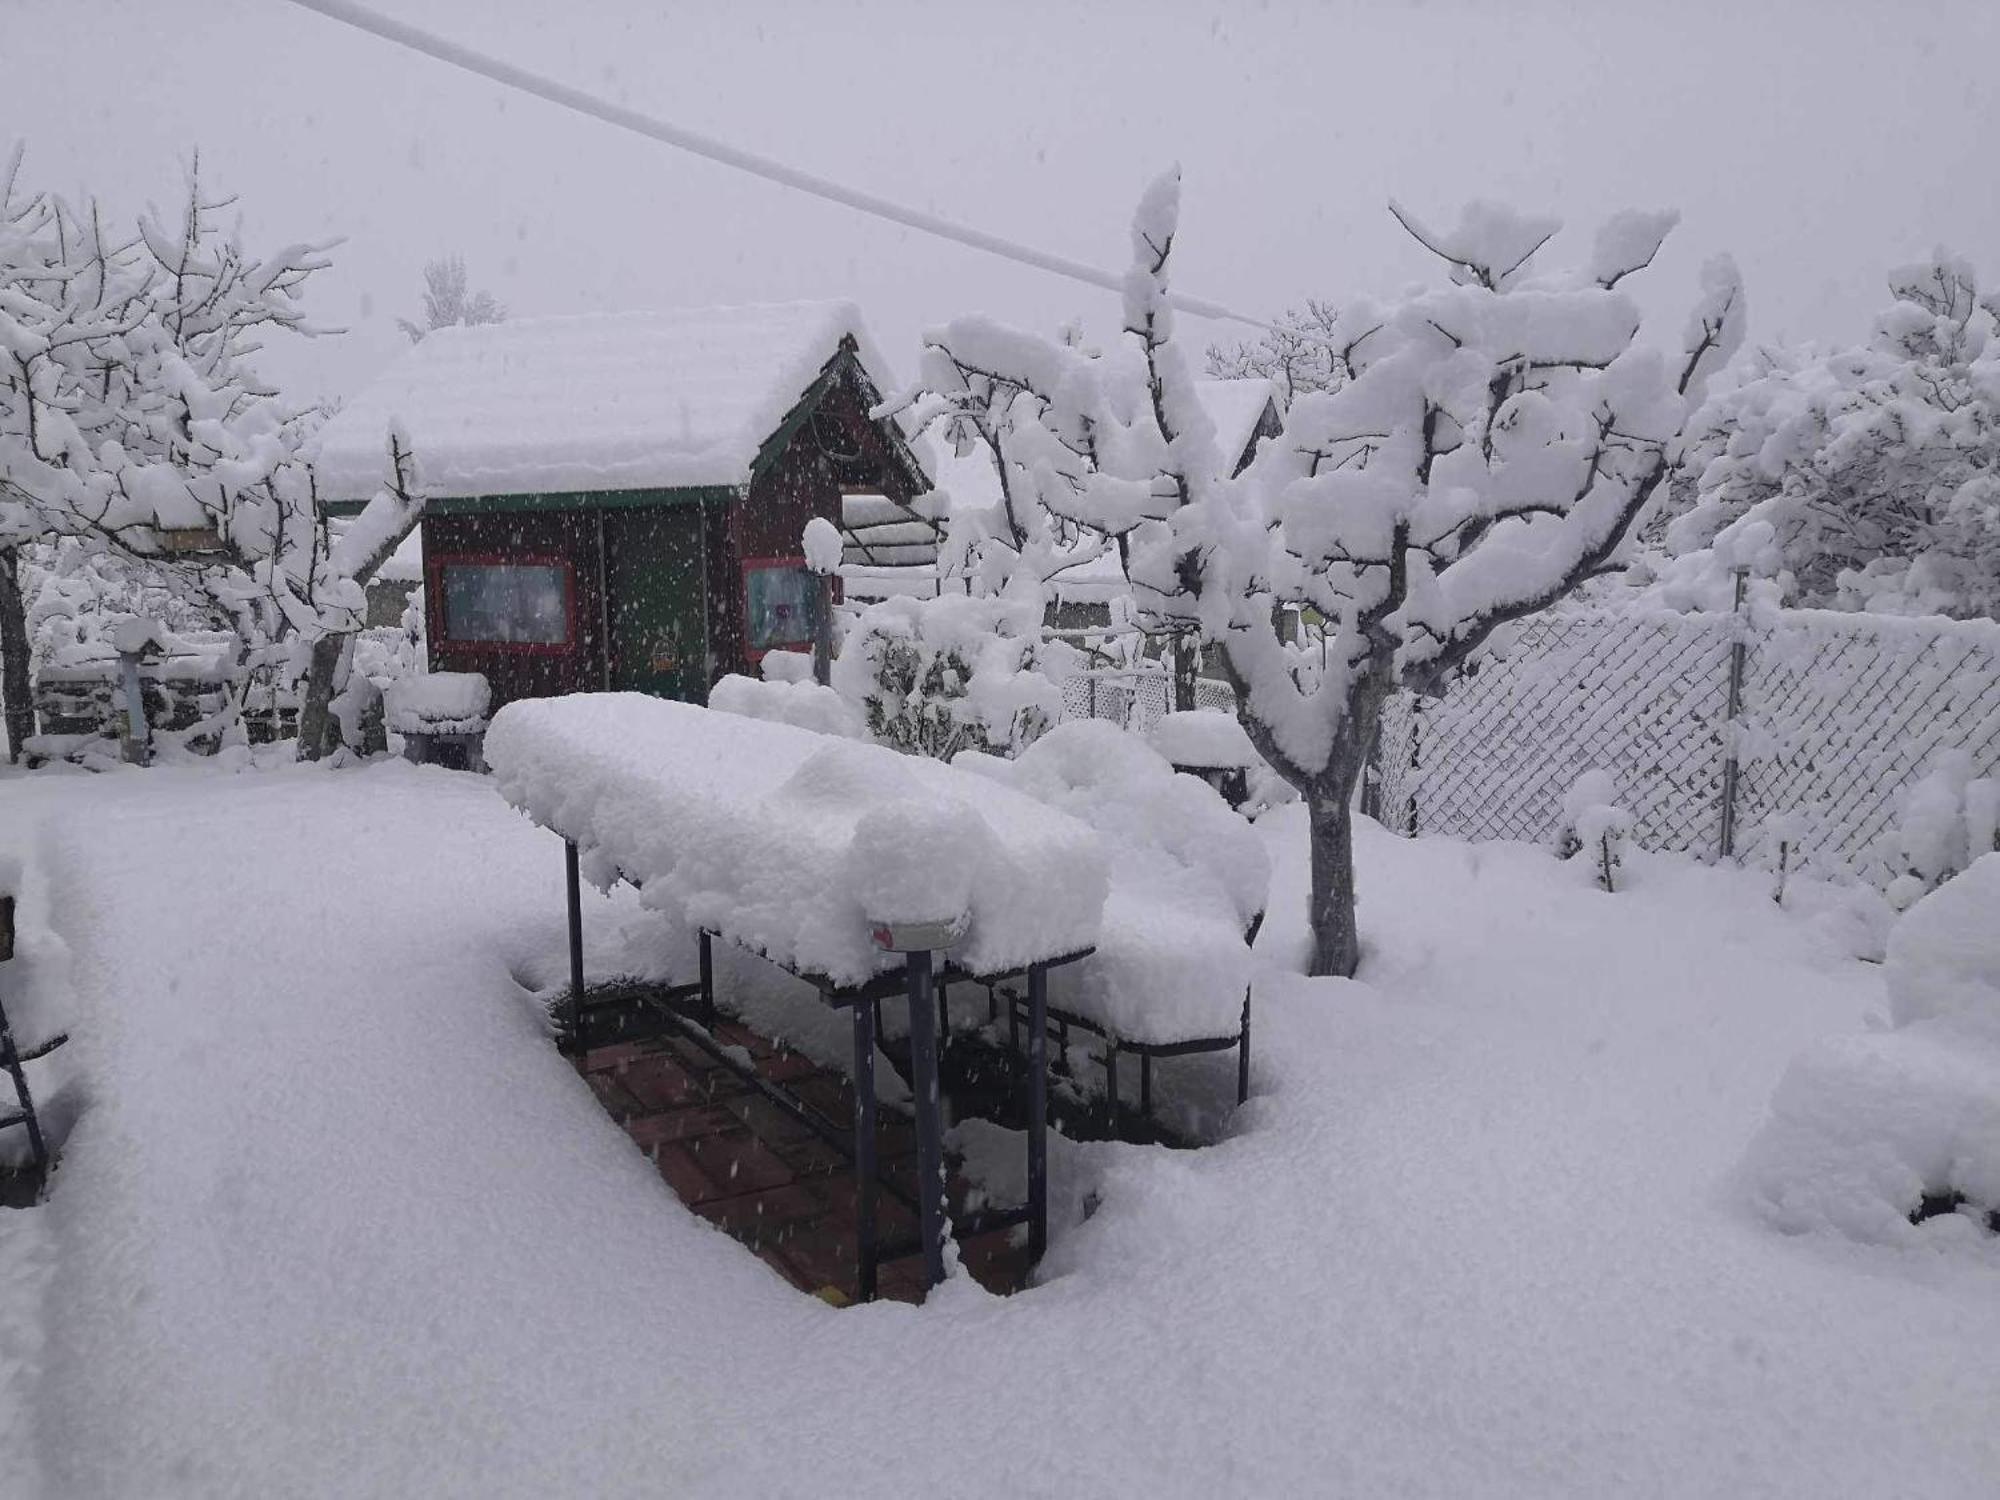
x: 1838, y: 715
x: 1136, y: 699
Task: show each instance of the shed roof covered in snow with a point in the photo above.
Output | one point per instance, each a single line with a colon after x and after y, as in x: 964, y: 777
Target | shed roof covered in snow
x: 1243, y: 411
x: 595, y: 402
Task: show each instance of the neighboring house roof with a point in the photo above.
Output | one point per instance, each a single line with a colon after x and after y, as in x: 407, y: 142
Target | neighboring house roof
x: 1242, y: 411
x: 594, y: 402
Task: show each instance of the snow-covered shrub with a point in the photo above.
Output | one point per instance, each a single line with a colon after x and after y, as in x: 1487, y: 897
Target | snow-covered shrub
x: 1594, y: 824
x: 78, y: 597
x: 1881, y: 1136
x: 805, y: 704
x: 1949, y: 818
x: 937, y: 676
x: 1872, y: 472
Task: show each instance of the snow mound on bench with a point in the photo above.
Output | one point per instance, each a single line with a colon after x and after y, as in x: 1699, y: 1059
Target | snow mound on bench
x: 437, y: 703
x: 1207, y: 738
x: 1863, y: 1128
x: 1188, y: 876
x: 749, y: 828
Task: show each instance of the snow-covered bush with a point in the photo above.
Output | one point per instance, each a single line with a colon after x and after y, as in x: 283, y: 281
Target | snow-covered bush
x: 1593, y: 824
x: 1872, y: 472
x: 1948, y: 819
x: 937, y: 676
x: 1894, y: 1137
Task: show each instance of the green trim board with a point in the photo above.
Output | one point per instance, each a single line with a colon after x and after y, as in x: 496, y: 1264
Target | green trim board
x: 489, y: 505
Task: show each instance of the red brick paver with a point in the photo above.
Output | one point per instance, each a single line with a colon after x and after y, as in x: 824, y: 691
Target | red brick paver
x: 764, y: 1177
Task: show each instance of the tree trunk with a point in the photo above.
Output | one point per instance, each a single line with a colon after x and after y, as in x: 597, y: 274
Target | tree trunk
x: 16, y: 685
x: 316, y: 726
x: 1336, y: 945
x: 1187, y: 666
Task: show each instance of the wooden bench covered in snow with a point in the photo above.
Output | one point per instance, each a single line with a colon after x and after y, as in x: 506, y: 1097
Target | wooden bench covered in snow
x: 441, y: 717
x: 844, y: 863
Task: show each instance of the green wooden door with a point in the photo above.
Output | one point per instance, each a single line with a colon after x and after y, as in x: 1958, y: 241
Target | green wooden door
x: 653, y: 587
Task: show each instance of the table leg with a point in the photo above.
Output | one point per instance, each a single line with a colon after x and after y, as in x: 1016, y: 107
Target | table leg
x: 865, y: 1243
x: 1243, y: 1055
x: 930, y: 1129
x: 708, y: 979
x: 573, y: 889
x: 1038, y: 1112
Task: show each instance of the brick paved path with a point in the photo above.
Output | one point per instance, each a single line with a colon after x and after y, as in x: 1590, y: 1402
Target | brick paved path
x: 764, y: 1177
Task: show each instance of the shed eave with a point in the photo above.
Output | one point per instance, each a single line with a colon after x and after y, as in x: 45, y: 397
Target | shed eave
x: 564, y: 500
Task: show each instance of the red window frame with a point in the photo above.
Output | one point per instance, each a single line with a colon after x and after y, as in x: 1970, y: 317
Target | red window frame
x: 755, y: 654
x: 434, y: 581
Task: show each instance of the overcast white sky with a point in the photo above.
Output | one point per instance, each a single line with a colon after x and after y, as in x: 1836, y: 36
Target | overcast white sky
x: 1819, y: 140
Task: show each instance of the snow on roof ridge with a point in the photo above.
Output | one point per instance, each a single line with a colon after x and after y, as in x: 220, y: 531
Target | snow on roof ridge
x: 458, y: 333
x: 667, y: 399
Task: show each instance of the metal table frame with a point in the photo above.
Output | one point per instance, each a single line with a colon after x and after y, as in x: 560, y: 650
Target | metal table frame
x: 920, y: 980
x: 1064, y: 1020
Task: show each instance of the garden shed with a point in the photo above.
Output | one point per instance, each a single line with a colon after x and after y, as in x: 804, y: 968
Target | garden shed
x: 617, y: 499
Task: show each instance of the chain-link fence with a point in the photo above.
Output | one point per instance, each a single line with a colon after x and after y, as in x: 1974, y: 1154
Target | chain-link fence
x: 1836, y: 715
x: 1136, y: 699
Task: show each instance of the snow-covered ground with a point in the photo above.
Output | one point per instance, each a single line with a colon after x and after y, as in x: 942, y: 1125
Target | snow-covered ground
x: 339, y: 1221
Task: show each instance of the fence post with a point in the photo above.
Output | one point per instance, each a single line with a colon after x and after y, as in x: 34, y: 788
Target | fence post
x: 1416, y: 756
x: 137, y: 746
x: 1738, y: 649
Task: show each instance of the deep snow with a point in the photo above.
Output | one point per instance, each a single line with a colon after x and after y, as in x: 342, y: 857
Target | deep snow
x: 340, y: 1222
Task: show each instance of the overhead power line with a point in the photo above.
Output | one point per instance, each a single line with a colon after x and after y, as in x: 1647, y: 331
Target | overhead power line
x: 362, y: 18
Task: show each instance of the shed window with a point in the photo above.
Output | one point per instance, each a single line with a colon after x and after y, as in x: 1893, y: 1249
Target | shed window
x: 779, y: 595
x: 523, y: 603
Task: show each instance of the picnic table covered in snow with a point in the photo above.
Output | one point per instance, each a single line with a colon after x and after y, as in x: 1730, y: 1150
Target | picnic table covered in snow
x: 1170, y: 973
x: 814, y: 852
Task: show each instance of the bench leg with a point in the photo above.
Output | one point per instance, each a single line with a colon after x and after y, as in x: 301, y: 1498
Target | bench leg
x: 1146, y: 1085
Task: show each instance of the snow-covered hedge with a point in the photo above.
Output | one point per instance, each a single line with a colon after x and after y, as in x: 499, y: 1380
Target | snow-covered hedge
x: 1868, y: 1131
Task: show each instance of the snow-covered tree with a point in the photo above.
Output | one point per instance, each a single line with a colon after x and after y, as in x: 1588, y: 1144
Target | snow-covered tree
x: 1868, y: 478
x: 448, y: 303
x: 1298, y: 353
x: 1492, y: 447
x: 132, y: 419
